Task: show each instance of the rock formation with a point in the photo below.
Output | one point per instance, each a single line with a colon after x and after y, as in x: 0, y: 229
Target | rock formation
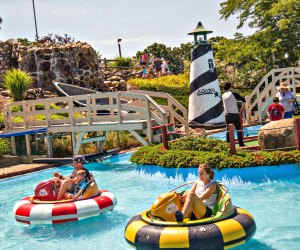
x: 277, y: 134
x: 73, y: 63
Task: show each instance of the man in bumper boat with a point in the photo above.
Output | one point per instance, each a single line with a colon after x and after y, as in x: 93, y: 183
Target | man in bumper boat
x: 201, y: 198
x: 69, y: 183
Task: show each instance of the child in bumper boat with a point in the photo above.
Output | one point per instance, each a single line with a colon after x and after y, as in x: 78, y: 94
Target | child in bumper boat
x: 79, y: 187
x: 69, y: 182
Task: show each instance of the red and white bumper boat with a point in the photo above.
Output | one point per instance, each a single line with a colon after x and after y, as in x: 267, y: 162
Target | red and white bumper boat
x: 33, y: 211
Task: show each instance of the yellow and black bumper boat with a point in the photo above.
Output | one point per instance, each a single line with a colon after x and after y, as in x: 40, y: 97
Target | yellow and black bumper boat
x: 157, y: 228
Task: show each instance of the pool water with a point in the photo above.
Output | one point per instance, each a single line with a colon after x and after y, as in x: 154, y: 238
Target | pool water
x: 248, y: 131
x: 271, y: 194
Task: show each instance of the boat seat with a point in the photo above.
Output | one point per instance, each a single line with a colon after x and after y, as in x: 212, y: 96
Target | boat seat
x: 92, y: 190
x: 223, y: 206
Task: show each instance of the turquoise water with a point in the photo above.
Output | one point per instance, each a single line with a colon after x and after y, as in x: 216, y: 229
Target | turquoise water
x: 248, y: 131
x: 271, y: 194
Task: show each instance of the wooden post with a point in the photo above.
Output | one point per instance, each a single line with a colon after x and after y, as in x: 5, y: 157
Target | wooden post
x: 74, y: 141
x: 28, y: 148
x: 164, y: 136
x: 35, y: 142
x: 118, y: 139
x: 105, y: 64
x: 231, y: 139
x: 242, y: 127
x: 50, y: 149
x: 13, y: 145
x: 298, y: 133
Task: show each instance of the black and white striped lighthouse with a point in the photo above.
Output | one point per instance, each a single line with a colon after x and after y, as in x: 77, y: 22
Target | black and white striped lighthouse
x: 205, y: 103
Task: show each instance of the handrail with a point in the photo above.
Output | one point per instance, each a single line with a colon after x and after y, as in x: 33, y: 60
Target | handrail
x: 268, y: 91
x: 183, y: 119
x: 28, y: 109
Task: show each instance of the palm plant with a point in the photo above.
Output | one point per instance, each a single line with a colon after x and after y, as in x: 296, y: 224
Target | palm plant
x: 16, y: 81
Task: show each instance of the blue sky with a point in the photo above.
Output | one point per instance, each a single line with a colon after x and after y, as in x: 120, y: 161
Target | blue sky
x: 101, y: 22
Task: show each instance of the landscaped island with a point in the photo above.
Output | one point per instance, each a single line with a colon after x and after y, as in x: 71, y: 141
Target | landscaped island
x: 192, y: 151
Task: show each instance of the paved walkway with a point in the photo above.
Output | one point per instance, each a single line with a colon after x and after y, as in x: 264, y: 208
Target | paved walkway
x: 23, y: 169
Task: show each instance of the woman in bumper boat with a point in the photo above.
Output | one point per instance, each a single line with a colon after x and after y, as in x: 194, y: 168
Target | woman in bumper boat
x: 200, y: 199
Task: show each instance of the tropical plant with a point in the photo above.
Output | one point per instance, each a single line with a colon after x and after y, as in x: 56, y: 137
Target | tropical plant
x: 16, y: 81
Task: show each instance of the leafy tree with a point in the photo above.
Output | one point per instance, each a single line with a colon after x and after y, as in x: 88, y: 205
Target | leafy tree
x: 24, y: 41
x: 157, y: 50
x: 238, y: 60
x: 277, y: 23
x: 175, y: 55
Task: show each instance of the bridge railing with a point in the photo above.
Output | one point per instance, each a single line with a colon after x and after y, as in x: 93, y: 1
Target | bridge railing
x: 42, y: 112
x: 260, y: 98
x: 177, y: 113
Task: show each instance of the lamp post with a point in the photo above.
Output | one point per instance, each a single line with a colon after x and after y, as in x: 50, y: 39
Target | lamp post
x: 119, y: 46
x: 36, y: 32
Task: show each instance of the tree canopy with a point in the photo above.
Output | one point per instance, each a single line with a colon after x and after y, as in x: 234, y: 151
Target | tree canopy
x: 277, y: 24
x: 174, y: 55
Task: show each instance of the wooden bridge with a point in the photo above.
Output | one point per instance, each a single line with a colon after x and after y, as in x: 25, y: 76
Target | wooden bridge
x: 139, y: 113
x: 261, y: 97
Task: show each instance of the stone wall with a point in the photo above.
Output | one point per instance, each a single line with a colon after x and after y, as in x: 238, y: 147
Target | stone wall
x: 75, y: 63
x: 6, y: 61
x: 72, y: 63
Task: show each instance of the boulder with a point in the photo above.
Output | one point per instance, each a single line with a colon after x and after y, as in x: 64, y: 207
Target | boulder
x: 278, y: 134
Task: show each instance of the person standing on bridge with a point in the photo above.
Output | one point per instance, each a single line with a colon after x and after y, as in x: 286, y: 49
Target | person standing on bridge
x: 232, y: 114
x: 287, y: 99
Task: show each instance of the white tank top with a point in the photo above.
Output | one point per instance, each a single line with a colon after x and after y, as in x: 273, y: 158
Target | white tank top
x: 229, y: 103
x: 211, y: 200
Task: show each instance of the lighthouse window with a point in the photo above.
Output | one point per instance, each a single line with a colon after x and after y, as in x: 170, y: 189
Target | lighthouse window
x: 211, y: 65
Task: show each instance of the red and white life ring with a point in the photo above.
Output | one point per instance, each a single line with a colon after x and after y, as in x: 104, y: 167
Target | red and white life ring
x: 31, y: 213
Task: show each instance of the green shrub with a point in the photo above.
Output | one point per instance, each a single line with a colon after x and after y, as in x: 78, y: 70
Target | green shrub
x: 16, y: 109
x: 126, y: 140
x: 16, y: 81
x: 120, y: 62
x: 200, y: 144
x: 5, y: 147
x: 191, y: 151
x: 176, y: 85
x: 2, y: 125
x: 62, y: 146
